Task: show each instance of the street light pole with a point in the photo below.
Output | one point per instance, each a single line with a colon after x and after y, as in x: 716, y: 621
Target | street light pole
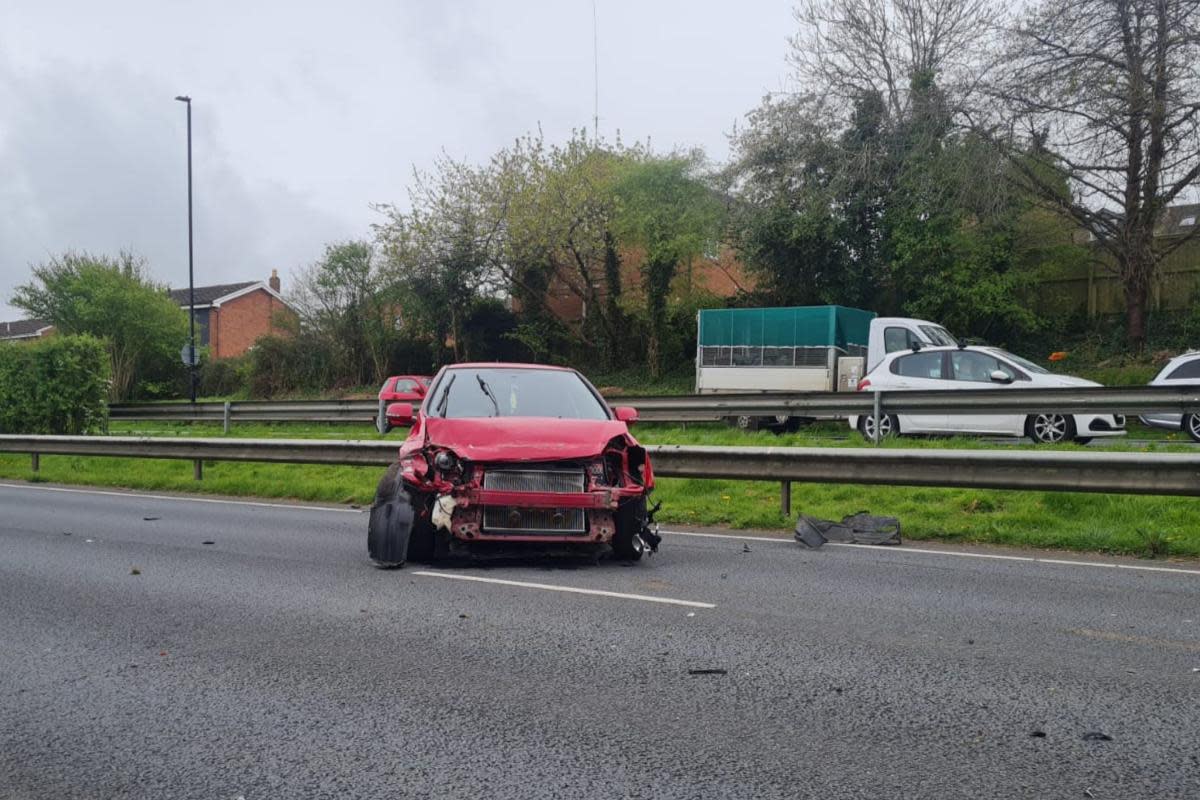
x: 191, y: 276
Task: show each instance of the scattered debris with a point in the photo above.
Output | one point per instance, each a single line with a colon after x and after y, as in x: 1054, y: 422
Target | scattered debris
x: 691, y: 613
x: 745, y: 547
x: 150, y: 519
x: 708, y: 672
x: 1096, y: 736
x: 462, y: 616
x: 208, y: 541
x: 859, y: 528
x: 66, y: 533
x: 135, y: 571
x: 837, y: 690
x: 970, y: 641
x: 89, y: 541
x: 1037, y: 734
x: 162, y: 652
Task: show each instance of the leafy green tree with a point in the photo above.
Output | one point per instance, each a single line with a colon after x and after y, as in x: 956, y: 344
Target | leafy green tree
x: 350, y: 297
x: 440, y: 251
x: 667, y: 210
x: 116, y: 301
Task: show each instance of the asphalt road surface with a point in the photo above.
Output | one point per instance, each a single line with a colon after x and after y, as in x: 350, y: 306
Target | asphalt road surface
x: 256, y: 654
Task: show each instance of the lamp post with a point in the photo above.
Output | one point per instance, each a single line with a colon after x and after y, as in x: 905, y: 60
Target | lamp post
x: 191, y: 279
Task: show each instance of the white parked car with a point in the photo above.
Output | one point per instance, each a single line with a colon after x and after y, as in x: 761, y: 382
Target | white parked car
x: 955, y: 368
x: 1179, y: 371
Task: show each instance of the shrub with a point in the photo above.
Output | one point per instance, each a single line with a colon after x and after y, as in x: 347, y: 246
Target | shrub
x: 281, y: 365
x: 225, y: 376
x: 54, y: 386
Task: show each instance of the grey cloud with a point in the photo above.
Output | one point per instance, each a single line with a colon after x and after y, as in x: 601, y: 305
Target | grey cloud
x: 96, y: 161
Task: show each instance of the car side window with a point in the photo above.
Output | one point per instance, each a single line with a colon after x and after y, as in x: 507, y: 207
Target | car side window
x: 919, y: 365
x: 897, y: 339
x: 968, y: 365
x: 1189, y: 370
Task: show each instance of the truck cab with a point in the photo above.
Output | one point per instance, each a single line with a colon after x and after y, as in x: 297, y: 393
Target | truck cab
x: 889, y: 334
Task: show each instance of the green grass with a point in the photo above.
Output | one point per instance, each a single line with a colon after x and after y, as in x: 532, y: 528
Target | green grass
x: 1105, y: 523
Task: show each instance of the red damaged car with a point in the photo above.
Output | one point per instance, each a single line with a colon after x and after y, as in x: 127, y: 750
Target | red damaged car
x: 502, y: 457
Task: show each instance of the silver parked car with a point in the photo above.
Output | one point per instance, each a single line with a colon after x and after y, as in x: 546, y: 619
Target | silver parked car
x: 1180, y: 370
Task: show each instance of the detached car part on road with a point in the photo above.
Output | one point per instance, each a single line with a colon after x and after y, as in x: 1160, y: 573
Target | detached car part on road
x: 505, y: 457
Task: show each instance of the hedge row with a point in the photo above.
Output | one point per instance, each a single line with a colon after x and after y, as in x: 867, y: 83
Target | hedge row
x: 54, y: 386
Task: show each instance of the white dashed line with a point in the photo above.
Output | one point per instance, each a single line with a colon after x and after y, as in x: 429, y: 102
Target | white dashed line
x: 963, y: 554
x: 550, y: 587
x: 175, y: 497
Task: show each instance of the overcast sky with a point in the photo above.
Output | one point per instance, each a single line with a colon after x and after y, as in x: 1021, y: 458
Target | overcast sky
x: 305, y: 113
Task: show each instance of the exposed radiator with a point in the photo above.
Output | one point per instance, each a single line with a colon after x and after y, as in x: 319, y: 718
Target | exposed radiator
x: 534, y: 520
x: 558, y: 481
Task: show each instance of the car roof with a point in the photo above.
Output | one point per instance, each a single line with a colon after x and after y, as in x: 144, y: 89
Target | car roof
x: 942, y: 348
x: 505, y: 365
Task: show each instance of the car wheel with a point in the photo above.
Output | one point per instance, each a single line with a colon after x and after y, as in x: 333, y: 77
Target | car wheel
x: 391, y: 522
x: 889, y: 427
x: 627, y: 543
x: 1050, y: 428
x: 1191, y: 425
x: 745, y: 422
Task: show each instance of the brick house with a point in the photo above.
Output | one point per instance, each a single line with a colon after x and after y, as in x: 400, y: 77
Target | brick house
x: 230, y: 317
x: 25, y: 329
x: 720, y: 275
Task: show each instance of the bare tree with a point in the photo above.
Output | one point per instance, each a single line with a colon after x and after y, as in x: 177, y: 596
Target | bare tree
x: 849, y: 49
x: 1107, y: 93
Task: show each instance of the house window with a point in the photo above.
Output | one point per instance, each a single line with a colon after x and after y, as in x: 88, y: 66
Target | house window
x: 1187, y: 222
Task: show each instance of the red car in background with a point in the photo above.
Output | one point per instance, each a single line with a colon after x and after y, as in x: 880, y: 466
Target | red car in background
x: 404, y: 389
x: 502, y: 457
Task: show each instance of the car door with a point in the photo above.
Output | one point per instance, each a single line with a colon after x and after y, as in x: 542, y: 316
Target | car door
x: 920, y: 371
x: 408, y: 390
x: 970, y: 369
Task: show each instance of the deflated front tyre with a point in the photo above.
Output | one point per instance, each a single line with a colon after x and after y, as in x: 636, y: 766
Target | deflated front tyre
x: 391, y: 521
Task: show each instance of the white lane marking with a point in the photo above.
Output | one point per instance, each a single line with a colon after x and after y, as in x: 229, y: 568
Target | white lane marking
x: 550, y: 587
x: 174, y: 497
x: 964, y: 554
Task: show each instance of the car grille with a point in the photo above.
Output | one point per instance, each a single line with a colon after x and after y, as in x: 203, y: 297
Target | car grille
x: 533, y: 520
x: 559, y: 481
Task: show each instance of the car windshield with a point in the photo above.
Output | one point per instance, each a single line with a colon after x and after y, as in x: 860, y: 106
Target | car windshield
x: 938, y: 336
x: 1024, y: 363
x: 465, y: 392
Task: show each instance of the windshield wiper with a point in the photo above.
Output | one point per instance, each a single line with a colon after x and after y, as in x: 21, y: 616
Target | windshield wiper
x: 488, y: 391
x: 440, y: 410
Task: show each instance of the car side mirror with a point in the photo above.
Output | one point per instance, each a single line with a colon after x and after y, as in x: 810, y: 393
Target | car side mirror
x: 626, y: 414
x: 1000, y: 376
x: 400, y: 414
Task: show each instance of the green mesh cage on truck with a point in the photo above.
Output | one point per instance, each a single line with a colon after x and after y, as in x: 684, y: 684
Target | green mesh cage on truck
x: 805, y: 348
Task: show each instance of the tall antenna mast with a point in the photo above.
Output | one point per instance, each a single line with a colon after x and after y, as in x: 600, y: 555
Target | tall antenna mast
x: 595, y: 77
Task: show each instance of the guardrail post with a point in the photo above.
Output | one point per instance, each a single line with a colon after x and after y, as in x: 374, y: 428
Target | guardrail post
x: 35, y: 461
x: 225, y: 418
x: 785, y: 498
x: 381, y: 417
x: 198, y: 469
x: 878, y: 406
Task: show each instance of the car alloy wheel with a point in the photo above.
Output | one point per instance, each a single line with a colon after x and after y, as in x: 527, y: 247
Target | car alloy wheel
x: 886, y: 428
x: 1049, y: 428
x: 1191, y: 424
